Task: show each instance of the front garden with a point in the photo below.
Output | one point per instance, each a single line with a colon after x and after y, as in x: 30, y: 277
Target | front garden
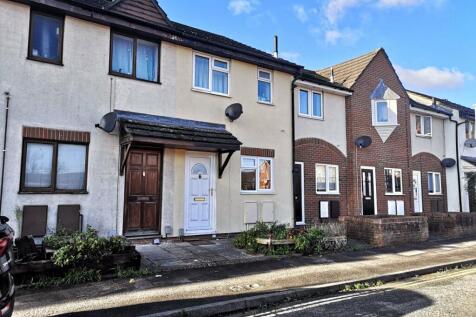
x: 278, y: 239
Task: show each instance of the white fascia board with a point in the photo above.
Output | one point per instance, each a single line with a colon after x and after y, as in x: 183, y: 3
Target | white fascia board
x: 323, y: 88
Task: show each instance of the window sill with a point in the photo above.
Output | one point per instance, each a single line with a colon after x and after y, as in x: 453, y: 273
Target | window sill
x: 385, y: 124
x: 265, y: 103
x: 46, y: 61
x: 310, y: 117
x: 394, y: 194
x: 257, y: 193
x: 328, y: 193
x: 53, y: 193
x: 435, y: 194
x: 132, y: 78
x: 210, y: 92
x: 423, y: 136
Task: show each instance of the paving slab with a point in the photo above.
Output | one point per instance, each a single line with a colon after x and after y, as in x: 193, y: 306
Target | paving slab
x: 176, y: 289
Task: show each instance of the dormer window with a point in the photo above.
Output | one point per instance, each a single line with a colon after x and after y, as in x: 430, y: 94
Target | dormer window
x: 382, y: 112
x: 384, y: 106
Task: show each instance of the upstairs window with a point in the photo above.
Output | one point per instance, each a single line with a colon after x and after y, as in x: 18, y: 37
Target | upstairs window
x: 423, y: 125
x: 434, y: 183
x: 469, y: 129
x: 134, y: 58
x: 393, y: 181
x: 211, y: 74
x: 310, y: 104
x: 256, y: 174
x: 46, y: 38
x: 264, y: 86
x: 382, y: 111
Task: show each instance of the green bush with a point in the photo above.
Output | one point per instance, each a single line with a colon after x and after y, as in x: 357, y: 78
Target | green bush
x: 309, y: 242
x: 83, y: 248
x: 247, y: 239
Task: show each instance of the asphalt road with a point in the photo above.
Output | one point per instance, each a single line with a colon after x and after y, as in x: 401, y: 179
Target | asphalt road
x: 451, y: 293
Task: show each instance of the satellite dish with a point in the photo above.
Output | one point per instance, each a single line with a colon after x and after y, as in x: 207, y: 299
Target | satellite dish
x: 234, y: 111
x: 363, y: 141
x: 470, y: 143
x: 448, y: 162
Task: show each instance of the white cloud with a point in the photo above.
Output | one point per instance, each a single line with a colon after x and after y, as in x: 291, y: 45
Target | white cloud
x: 345, y: 36
x: 399, y: 3
x: 238, y: 7
x: 334, y: 10
x: 300, y: 13
x: 432, y: 77
x: 290, y: 56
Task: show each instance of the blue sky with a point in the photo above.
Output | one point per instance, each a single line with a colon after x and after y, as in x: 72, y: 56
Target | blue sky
x: 432, y: 43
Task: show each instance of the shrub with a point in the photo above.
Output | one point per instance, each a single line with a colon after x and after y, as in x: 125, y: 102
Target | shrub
x: 309, y: 242
x: 247, y: 239
x: 85, y: 248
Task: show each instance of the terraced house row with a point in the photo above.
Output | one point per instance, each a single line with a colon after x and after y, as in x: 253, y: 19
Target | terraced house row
x: 116, y: 117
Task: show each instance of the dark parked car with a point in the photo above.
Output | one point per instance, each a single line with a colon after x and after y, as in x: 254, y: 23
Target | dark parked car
x: 7, y: 287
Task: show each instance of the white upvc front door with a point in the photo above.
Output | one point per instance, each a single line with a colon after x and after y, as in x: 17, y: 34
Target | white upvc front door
x: 199, y: 194
x: 417, y: 194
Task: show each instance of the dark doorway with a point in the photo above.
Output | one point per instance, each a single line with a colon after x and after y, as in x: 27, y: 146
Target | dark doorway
x: 143, y: 192
x: 298, y: 192
x: 368, y: 195
x: 471, y: 183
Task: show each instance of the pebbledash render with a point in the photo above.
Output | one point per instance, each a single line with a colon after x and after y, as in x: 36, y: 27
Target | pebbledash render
x: 126, y: 121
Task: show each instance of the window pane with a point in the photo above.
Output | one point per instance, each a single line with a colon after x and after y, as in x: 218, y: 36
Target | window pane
x: 389, y: 181
x: 248, y: 162
x: 437, y: 183
x: 332, y: 178
x: 316, y: 105
x: 71, y: 169
x: 398, y: 181
x: 264, y: 75
x: 248, y: 179
x: 220, y: 64
x: 430, y: 183
x: 427, y: 125
x: 201, y: 72
x: 382, y: 111
x: 122, y: 48
x: 265, y: 174
x: 39, y: 158
x: 320, y: 178
x: 220, y: 82
x: 147, y: 60
x: 418, y: 125
x: 303, y: 102
x: 46, y: 34
x: 264, y: 91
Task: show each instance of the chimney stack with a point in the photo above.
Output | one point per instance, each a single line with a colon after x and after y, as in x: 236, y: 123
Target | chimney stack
x: 275, y: 51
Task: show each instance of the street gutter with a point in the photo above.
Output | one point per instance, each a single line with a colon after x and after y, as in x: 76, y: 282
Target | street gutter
x: 272, y: 298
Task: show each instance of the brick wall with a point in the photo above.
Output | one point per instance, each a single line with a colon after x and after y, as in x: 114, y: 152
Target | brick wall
x: 452, y: 225
x: 427, y: 162
x: 311, y: 151
x: 381, y: 231
x: 394, y: 153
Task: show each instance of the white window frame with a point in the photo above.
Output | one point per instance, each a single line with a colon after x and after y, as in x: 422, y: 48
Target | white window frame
x: 421, y: 118
x: 270, y: 81
x: 434, y: 183
x: 375, y: 113
x: 211, y: 68
x: 310, y: 104
x: 393, y: 192
x: 327, y: 167
x: 256, y: 168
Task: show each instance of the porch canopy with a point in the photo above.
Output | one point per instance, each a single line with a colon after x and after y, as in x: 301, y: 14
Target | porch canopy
x: 146, y: 129
x: 469, y: 159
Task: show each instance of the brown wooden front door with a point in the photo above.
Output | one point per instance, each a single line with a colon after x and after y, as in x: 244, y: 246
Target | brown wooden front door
x: 143, y: 192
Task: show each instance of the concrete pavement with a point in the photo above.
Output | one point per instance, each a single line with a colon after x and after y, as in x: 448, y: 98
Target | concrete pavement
x: 450, y: 293
x: 180, y: 289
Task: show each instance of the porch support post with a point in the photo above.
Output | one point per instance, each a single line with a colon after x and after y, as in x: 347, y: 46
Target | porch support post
x: 124, y: 158
x: 222, y: 165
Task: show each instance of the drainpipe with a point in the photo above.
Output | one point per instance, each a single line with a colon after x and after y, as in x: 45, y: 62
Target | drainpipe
x: 457, y: 162
x: 4, y: 150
